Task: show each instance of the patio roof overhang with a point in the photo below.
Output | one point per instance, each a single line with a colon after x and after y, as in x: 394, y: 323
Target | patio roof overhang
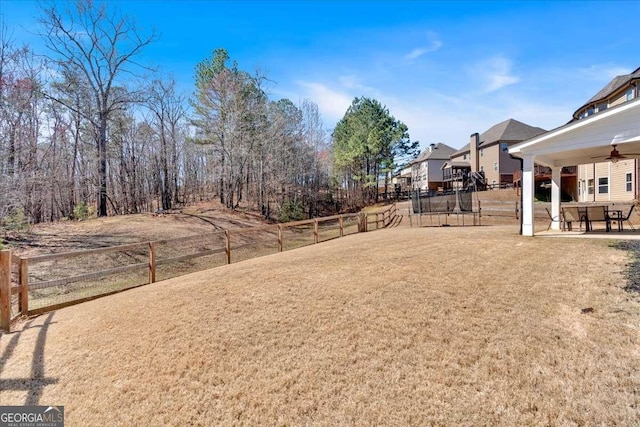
x: 588, y: 140
x: 584, y: 141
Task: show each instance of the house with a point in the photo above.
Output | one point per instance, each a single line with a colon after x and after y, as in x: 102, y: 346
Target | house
x: 402, y: 180
x: 612, y: 134
x: 426, y: 169
x: 611, y: 178
x: 488, y: 152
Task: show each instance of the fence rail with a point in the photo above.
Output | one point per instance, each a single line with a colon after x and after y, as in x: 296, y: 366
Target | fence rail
x: 15, y: 283
x: 382, y: 219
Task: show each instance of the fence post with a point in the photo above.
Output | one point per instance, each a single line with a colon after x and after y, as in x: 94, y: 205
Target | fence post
x: 279, y: 237
x: 5, y: 290
x: 152, y: 262
x: 227, y: 236
x: 362, y: 222
x: 24, y: 286
x: 315, y: 230
x: 341, y: 227
x: 517, y: 209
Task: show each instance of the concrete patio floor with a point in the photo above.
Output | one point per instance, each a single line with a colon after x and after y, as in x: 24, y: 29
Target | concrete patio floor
x: 595, y: 234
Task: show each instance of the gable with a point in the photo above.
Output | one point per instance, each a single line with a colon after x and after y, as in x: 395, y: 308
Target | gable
x: 510, y: 130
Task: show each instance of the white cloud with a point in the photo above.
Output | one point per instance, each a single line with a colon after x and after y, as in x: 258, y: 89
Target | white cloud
x: 355, y: 83
x: 416, y: 53
x: 419, y: 51
x: 496, y: 73
x: 451, y: 120
x: 331, y: 103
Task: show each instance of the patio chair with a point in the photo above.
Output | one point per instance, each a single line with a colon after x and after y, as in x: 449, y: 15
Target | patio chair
x: 552, y: 219
x: 626, y: 218
x: 598, y: 213
x: 569, y: 216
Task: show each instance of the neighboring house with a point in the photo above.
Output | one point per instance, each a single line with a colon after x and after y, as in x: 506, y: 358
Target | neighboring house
x: 402, y: 181
x: 617, y: 180
x: 487, y: 152
x: 426, y: 169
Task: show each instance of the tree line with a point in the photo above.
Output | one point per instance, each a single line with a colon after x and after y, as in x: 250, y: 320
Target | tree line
x: 89, y: 129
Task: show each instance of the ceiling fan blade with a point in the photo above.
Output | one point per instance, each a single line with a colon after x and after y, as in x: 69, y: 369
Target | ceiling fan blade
x: 615, y: 155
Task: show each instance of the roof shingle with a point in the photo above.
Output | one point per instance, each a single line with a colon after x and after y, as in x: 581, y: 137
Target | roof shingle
x: 509, y: 130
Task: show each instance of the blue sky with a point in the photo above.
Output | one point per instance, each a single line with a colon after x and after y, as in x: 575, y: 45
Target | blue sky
x: 446, y: 69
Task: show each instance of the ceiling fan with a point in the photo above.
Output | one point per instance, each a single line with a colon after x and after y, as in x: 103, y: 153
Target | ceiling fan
x: 615, y: 155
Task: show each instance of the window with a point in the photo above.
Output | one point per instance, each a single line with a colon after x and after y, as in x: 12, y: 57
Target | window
x: 464, y: 157
x: 603, y: 185
x: 590, y: 185
x: 590, y: 111
x: 504, y: 146
x: 481, y: 168
x: 602, y: 107
x: 481, y: 152
x: 495, y: 166
x: 629, y: 181
x: 629, y: 94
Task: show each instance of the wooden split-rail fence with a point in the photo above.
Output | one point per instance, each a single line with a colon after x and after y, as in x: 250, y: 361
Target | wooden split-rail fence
x: 14, y: 270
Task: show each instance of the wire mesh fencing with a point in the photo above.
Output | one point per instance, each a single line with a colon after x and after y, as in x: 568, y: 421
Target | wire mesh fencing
x: 58, y: 279
x: 47, y: 282
x: 177, y: 257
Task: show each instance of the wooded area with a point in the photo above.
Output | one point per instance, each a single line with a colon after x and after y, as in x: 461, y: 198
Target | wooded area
x: 90, y: 130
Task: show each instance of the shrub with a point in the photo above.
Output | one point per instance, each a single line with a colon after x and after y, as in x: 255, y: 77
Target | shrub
x: 16, y: 221
x: 80, y: 211
x: 291, y: 211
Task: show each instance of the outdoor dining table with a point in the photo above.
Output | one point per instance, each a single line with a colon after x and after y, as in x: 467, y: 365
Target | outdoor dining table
x: 616, y: 215
x: 613, y: 215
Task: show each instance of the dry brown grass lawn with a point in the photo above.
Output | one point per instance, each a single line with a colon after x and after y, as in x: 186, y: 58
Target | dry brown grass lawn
x: 429, y: 326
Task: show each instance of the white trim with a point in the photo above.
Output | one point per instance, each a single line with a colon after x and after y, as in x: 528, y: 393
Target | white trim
x: 556, y: 176
x: 573, y: 126
x: 528, y: 182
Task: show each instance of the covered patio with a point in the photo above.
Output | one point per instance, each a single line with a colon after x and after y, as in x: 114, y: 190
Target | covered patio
x: 585, y: 141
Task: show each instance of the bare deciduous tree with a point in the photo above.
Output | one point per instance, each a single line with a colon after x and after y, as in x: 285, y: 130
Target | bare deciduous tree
x: 99, y: 46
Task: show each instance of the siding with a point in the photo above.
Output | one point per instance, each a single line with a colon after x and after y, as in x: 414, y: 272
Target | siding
x: 616, y: 174
x: 490, y: 155
x: 435, y: 171
x: 461, y: 158
x: 618, y: 99
x: 618, y: 182
x: 506, y: 165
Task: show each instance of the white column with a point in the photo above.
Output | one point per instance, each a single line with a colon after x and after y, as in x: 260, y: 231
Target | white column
x: 528, y: 181
x: 556, y: 173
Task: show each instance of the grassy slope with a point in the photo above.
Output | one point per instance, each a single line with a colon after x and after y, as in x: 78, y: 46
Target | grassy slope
x: 444, y: 326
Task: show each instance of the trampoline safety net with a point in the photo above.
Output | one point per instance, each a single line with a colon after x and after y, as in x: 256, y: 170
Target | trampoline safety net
x: 426, y: 202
